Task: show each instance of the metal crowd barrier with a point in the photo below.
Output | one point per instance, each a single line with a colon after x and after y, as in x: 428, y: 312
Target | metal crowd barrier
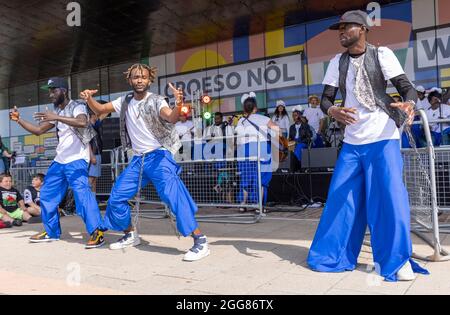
x: 212, y: 183
x: 427, y: 178
x: 23, y: 175
x: 107, y: 178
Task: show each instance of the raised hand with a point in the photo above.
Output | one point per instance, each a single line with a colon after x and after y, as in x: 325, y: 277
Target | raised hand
x: 47, y: 116
x: 408, y: 108
x: 87, y: 94
x: 14, y: 115
x: 178, y: 94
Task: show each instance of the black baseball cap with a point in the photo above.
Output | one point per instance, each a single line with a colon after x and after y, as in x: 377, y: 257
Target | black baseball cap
x: 352, y: 17
x: 56, y: 82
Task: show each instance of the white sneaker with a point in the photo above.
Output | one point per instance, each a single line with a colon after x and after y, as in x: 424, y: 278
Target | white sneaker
x: 130, y: 239
x: 199, y: 251
x: 406, y: 273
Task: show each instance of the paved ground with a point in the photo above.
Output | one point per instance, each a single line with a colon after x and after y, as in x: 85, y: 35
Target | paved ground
x: 264, y: 258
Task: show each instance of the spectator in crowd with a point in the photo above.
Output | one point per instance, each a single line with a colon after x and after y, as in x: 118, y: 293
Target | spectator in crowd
x: 446, y: 131
x: 95, y: 165
x: 224, y: 132
x: 32, y: 198
x: 12, y: 207
x: 435, y: 112
x: 5, y: 155
x: 218, y: 128
x: 220, y: 143
x: 185, y: 129
x: 281, y: 118
x: 422, y: 100
x: 303, y: 134
x: 254, y: 129
x: 316, y: 119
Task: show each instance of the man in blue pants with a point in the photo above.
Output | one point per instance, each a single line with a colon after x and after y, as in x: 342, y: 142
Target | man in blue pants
x: 147, y: 126
x: 70, y: 167
x: 367, y: 187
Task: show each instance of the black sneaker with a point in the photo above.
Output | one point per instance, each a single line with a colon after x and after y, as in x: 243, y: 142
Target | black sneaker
x: 17, y: 222
x: 96, y: 240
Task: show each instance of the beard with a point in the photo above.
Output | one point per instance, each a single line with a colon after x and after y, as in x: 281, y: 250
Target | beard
x: 59, y: 101
x: 349, y: 42
x: 140, y: 89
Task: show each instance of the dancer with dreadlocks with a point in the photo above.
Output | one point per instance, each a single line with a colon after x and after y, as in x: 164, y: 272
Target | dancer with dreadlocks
x: 70, y: 167
x: 147, y: 126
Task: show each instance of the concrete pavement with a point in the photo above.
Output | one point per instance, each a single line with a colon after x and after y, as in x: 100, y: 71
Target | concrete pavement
x: 264, y: 258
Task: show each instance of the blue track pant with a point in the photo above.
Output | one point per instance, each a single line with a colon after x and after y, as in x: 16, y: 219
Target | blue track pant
x: 162, y: 170
x: 59, y: 177
x: 367, y: 189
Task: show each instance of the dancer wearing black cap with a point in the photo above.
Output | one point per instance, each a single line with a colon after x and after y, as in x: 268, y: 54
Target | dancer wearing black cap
x: 70, y: 167
x: 367, y: 187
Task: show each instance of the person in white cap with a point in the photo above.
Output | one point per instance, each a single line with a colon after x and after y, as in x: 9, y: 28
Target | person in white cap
x: 281, y: 118
x: 422, y: 101
x: 437, y: 110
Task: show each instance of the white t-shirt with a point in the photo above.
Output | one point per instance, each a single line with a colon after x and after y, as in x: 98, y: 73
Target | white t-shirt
x: 216, y: 131
x: 70, y: 148
x: 142, y: 139
x: 283, y: 122
x: 247, y: 133
x: 423, y: 104
x: 440, y: 113
x: 314, y: 116
x: 185, y: 130
x: 371, y: 126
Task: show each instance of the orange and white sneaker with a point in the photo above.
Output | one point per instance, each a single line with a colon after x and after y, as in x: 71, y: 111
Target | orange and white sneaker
x: 96, y: 240
x: 42, y: 238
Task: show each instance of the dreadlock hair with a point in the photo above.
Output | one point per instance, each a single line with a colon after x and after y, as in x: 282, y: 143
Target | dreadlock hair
x: 141, y: 67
